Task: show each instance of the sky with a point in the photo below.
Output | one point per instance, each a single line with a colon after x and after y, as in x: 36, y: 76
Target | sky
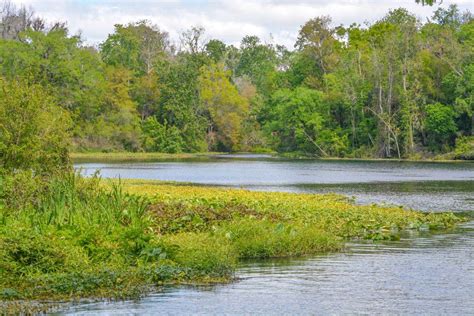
x: 274, y: 21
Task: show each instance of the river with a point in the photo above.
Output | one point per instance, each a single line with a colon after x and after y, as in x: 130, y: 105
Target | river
x: 423, y: 273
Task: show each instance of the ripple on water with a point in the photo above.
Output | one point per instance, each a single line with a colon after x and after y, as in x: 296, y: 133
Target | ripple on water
x: 420, y: 274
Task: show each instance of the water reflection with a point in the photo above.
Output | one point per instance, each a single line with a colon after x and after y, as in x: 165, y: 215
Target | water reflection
x: 246, y: 172
x: 424, y: 186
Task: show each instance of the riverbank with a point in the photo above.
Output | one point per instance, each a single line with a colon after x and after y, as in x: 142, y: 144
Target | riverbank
x: 150, y: 157
x: 139, y: 157
x: 85, y: 239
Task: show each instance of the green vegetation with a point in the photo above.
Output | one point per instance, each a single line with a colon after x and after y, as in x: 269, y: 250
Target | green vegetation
x: 79, y: 238
x: 400, y: 87
x: 33, y: 128
x: 464, y: 148
x: 124, y: 156
x: 396, y: 88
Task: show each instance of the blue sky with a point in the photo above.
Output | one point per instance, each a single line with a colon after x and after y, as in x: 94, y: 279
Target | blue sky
x: 272, y: 20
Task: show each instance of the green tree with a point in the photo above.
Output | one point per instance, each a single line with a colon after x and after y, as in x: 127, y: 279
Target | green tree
x: 298, y: 122
x: 161, y: 137
x: 179, y: 102
x: 226, y: 108
x: 440, y: 125
x: 146, y: 92
x: 120, y: 110
x: 33, y: 129
x: 257, y: 61
x: 316, y: 39
x: 137, y: 46
x: 216, y: 50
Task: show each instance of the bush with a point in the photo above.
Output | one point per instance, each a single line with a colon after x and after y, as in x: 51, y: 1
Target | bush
x: 33, y: 129
x: 464, y: 148
x: 439, y: 125
x: 161, y: 137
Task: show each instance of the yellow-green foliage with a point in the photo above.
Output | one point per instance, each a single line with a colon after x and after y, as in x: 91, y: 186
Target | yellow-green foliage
x: 464, y: 148
x: 81, y: 238
x: 227, y: 109
x: 209, y: 256
x: 33, y: 129
x: 195, y: 208
x: 127, y: 156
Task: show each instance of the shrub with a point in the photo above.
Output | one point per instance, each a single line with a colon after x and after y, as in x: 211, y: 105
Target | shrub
x: 33, y: 129
x: 440, y: 124
x: 464, y: 148
x: 161, y: 137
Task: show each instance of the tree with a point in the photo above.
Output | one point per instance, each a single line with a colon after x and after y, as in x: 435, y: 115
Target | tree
x: 146, y: 93
x: 226, y: 108
x: 258, y: 62
x: 161, y: 137
x: 15, y: 20
x: 33, y: 129
x: 120, y: 111
x: 192, y: 40
x: 179, y: 101
x: 427, y: 2
x: 216, y: 50
x: 317, y: 40
x: 298, y: 122
x: 137, y: 46
x: 440, y: 125
x: 450, y: 17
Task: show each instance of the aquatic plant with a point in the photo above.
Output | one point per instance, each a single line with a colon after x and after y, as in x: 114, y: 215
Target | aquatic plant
x: 94, y: 238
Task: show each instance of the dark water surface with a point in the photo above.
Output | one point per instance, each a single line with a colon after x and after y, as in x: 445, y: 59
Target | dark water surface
x: 423, y: 273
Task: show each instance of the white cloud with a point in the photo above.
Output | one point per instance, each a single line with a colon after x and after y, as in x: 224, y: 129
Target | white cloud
x: 226, y: 20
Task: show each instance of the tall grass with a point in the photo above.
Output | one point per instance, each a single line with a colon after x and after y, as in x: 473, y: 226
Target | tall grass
x: 78, y: 238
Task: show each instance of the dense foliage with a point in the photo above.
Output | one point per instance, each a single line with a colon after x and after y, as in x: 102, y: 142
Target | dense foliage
x: 83, y: 238
x: 395, y: 88
x: 33, y: 129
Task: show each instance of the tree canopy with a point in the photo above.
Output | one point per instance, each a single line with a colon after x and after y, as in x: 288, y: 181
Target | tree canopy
x: 399, y: 87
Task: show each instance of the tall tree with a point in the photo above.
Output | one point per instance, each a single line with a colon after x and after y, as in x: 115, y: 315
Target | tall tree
x: 137, y: 46
x: 258, y: 62
x: 316, y: 39
x: 227, y: 109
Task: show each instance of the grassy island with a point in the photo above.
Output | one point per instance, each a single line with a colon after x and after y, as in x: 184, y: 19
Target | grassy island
x: 91, y: 238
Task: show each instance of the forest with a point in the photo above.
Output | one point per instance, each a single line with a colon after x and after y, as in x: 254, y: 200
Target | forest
x: 396, y: 88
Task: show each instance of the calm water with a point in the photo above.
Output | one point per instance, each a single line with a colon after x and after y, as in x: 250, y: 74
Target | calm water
x: 423, y: 273
x: 420, y: 275
x: 424, y: 186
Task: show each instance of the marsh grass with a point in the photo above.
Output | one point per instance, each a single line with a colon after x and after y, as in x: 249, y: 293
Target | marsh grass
x: 72, y: 237
x: 188, y: 207
x: 131, y: 156
x: 78, y: 239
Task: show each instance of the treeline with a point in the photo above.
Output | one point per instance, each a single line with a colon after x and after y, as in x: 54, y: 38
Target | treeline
x: 395, y: 88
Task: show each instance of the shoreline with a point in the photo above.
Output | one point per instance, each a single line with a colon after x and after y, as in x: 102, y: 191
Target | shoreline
x: 204, y: 232
x: 81, y: 157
